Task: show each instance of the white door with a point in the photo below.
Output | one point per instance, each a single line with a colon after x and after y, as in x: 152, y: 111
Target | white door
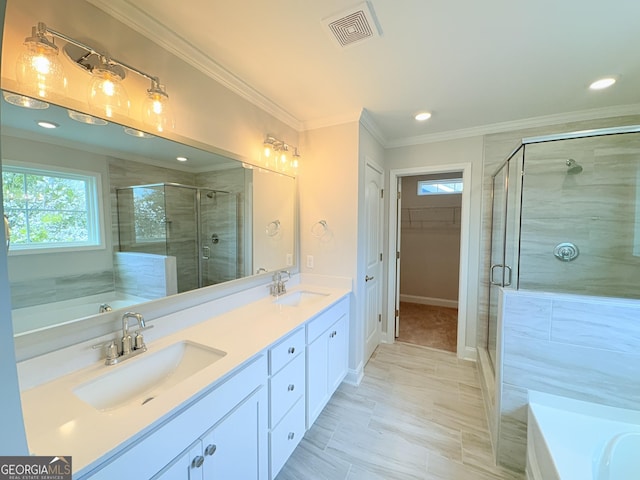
x: 373, y: 252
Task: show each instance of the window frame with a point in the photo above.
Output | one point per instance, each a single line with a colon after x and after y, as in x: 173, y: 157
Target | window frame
x: 93, y: 185
x: 438, y: 182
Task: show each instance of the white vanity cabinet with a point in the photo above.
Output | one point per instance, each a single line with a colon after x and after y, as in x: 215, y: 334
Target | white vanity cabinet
x: 327, y: 356
x: 223, y: 434
x: 287, y: 381
x: 229, y: 450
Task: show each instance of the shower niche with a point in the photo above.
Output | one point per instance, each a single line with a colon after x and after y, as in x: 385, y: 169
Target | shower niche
x: 566, y: 218
x: 197, y: 226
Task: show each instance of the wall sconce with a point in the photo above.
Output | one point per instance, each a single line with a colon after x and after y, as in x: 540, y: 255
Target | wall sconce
x: 277, y: 155
x: 39, y: 72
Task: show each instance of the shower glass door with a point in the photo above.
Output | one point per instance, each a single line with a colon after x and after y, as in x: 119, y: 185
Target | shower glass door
x: 505, y: 226
x: 219, y: 253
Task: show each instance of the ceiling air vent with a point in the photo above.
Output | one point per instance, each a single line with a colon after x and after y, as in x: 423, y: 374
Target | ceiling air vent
x: 352, y: 26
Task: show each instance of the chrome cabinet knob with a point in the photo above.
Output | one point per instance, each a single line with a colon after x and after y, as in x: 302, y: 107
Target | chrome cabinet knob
x: 197, y: 461
x: 291, y: 387
x: 291, y: 435
x: 292, y: 350
x: 210, y: 450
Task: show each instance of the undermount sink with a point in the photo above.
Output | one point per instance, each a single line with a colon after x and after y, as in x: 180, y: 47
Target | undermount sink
x: 140, y: 380
x: 299, y: 297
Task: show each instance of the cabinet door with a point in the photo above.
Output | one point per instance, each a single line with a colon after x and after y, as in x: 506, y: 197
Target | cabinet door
x: 317, y: 357
x: 185, y: 467
x: 236, y: 446
x: 338, y: 353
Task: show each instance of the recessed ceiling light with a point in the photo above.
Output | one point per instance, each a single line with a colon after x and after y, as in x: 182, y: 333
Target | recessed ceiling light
x: 602, y: 83
x: 422, y: 116
x: 45, y: 124
x: 182, y: 159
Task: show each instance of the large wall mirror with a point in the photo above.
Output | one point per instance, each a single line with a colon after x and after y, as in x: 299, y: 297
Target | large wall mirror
x: 103, y: 217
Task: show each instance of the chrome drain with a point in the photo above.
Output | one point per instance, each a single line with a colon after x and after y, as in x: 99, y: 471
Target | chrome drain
x: 147, y: 400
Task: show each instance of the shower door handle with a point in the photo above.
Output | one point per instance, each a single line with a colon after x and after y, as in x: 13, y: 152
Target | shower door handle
x: 508, y: 281
x: 206, y: 253
x: 491, y: 276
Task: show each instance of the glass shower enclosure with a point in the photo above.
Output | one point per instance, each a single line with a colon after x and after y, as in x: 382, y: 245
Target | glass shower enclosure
x: 197, y: 226
x: 566, y: 218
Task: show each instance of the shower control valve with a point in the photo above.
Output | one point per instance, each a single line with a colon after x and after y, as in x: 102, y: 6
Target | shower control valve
x: 566, y: 252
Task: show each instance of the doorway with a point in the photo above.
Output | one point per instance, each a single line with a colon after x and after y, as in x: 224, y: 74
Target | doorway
x: 429, y: 285
x: 429, y: 224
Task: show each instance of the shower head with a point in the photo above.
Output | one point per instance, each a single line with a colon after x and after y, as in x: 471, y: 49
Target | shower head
x: 573, y: 167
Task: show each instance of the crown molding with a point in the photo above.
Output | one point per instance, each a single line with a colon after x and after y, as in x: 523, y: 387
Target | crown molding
x: 367, y: 121
x: 590, y: 114
x: 132, y: 16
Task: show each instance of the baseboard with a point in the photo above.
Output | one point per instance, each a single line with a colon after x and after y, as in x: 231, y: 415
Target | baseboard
x: 354, y: 377
x: 470, y: 353
x: 437, y: 302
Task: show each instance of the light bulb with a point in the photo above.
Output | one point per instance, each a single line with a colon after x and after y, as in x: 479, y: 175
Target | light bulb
x: 107, y: 95
x: 156, y: 111
x: 38, y: 70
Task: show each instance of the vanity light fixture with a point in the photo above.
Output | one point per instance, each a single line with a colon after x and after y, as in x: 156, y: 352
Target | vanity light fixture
x: 39, y: 73
x: 276, y: 155
x: 602, y: 83
x: 136, y: 133
x: 85, y: 118
x: 422, y: 116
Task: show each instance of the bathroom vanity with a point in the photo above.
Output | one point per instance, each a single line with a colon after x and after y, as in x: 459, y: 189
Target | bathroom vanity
x: 229, y: 396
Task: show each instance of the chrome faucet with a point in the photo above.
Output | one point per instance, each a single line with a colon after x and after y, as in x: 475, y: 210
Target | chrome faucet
x: 129, y: 347
x: 278, y: 286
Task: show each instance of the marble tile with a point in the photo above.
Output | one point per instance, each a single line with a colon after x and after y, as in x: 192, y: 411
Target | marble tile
x: 526, y: 317
x: 603, y: 326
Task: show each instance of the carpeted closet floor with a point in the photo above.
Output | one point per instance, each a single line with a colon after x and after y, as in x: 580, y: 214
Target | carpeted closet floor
x: 429, y: 326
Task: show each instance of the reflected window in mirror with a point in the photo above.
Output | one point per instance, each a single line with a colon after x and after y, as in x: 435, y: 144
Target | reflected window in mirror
x: 50, y: 208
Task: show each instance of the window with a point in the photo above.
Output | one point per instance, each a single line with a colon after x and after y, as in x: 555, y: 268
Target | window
x: 440, y: 187
x: 50, y: 209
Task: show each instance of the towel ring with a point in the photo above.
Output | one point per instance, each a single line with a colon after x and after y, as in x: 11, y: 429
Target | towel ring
x: 273, y: 228
x: 319, y: 228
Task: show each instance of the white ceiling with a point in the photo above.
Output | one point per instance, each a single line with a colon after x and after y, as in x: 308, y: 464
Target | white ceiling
x: 474, y: 64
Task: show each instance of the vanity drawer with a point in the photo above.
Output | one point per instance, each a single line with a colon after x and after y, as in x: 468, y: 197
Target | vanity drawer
x: 323, y: 321
x: 286, y: 436
x: 286, y: 388
x: 286, y: 350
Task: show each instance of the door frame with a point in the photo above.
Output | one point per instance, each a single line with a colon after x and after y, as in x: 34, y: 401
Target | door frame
x: 394, y: 176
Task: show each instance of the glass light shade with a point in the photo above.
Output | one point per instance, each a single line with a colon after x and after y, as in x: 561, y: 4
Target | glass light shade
x: 39, y: 71
x: 24, y: 101
x: 107, y: 95
x: 156, y: 110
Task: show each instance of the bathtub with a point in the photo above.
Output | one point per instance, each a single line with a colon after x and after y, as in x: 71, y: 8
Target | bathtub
x: 43, y: 316
x: 574, y: 440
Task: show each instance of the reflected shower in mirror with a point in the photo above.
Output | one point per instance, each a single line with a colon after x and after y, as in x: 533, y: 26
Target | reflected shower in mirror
x: 104, y: 219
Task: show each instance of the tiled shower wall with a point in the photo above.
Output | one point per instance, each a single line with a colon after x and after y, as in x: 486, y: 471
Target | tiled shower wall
x: 581, y: 347
x: 496, y: 149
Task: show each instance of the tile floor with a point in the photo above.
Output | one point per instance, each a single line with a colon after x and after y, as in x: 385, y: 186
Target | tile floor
x: 417, y: 414
x: 429, y: 326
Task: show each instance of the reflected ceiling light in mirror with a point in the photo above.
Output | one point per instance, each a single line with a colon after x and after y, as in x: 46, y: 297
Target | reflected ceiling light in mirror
x: 137, y: 133
x: 276, y: 155
x: 422, y: 116
x: 602, y: 83
x: 84, y: 118
x: 47, y: 124
x: 39, y: 71
x: 24, y: 101
x: 182, y: 159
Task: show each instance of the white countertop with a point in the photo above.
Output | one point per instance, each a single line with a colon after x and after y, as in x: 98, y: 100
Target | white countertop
x: 59, y: 423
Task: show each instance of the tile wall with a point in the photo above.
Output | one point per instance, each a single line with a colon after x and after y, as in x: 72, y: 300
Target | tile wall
x: 586, y: 348
x: 145, y: 275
